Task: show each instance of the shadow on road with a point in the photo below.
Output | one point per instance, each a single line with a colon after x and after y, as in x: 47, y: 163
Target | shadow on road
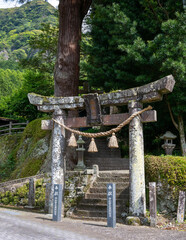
x: 97, y: 225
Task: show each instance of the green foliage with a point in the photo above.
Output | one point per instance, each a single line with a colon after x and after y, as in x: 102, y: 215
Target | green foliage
x: 23, y: 191
x: 5, y: 201
x: 45, y: 45
x: 119, y: 55
x: 31, y: 167
x: 29, y: 163
x: 170, y: 169
x: 169, y: 51
x: 22, y: 41
x: 131, y: 43
x: 40, y: 194
x: 16, y: 200
x: 20, y: 196
x: 26, y: 154
x: 19, y: 24
x: 7, y: 167
x: 10, y: 81
x: 18, y: 104
x: 116, y: 49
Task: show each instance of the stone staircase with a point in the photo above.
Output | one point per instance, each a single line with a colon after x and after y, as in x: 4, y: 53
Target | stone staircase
x: 106, y: 164
x: 106, y: 158
x: 94, y: 205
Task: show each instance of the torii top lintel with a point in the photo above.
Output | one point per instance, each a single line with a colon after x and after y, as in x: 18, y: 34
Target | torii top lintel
x: 151, y: 92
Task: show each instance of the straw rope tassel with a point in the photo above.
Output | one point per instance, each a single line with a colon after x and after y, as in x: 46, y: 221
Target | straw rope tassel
x: 92, y: 146
x: 72, y: 141
x: 113, y: 142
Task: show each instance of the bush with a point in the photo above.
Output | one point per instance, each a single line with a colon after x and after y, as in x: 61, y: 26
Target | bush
x: 5, y: 200
x: 22, y: 192
x: 171, y: 169
x: 16, y: 200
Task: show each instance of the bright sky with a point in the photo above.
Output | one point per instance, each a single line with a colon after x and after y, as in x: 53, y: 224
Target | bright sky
x: 11, y: 4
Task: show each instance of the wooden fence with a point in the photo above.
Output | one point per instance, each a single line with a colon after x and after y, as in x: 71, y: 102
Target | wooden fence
x: 12, y: 128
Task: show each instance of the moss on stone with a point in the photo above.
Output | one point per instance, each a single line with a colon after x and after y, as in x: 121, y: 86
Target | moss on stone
x: 134, y: 221
x: 29, y: 152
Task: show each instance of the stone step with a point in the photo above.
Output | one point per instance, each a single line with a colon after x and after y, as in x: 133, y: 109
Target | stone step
x: 124, y: 195
x: 97, y: 219
x: 103, y: 201
x: 119, y: 185
x: 111, y: 168
x: 101, y: 219
x: 100, y: 207
x: 124, y: 189
x: 112, y: 179
x: 109, y: 161
x: 97, y: 214
x: 103, y: 150
x: 108, y: 174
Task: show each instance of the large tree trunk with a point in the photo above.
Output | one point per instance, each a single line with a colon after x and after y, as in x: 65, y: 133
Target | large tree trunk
x: 182, y: 135
x: 66, y: 73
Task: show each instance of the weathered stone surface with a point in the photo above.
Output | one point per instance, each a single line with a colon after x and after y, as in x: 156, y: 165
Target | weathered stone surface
x: 53, y: 103
x: 153, y: 204
x: 167, y: 198
x: 181, y: 207
x: 136, y: 164
x: 31, y: 196
x: 134, y: 221
x: 58, y: 157
x: 148, y: 93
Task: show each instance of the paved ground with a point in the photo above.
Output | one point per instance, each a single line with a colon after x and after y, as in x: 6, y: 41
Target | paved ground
x: 19, y: 225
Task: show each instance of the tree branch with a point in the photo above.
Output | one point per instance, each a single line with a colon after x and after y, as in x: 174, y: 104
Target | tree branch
x: 85, y: 7
x: 171, y: 115
x: 165, y: 11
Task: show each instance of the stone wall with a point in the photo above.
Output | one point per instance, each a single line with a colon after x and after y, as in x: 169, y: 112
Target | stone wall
x: 15, y: 192
x: 17, y: 183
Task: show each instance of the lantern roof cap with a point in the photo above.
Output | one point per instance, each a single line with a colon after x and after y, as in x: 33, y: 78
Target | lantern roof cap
x: 168, y: 135
x: 80, y: 140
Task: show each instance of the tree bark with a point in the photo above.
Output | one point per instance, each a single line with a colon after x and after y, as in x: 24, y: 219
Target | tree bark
x: 66, y: 73
x: 180, y: 128
x: 182, y: 135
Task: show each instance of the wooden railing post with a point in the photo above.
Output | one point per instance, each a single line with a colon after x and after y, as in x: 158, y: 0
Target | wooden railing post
x: 10, y: 127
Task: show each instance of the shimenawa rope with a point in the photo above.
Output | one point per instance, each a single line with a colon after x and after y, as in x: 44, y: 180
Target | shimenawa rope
x: 102, y: 134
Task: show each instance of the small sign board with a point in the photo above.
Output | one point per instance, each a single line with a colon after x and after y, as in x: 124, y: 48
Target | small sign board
x: 57, y: 202
x: 111, y: 205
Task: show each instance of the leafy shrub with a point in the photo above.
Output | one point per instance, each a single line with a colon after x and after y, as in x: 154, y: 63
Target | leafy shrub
x: 172, y: 169
x: 16, y: 200
x: 22, y: 192
x: 5, y: 200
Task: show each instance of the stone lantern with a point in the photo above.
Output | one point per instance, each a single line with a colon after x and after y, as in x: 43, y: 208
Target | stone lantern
x: 168, y: 142
x: 80, y: 149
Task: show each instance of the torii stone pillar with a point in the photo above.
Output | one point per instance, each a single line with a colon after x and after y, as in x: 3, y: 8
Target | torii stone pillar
x: 58, y: 156
x: 137, y: 202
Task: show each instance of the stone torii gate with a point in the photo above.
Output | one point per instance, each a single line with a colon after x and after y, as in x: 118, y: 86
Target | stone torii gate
x: 134, y: 98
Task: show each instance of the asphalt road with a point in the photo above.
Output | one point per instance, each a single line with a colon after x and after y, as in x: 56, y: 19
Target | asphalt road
x: 18, y: 225
x: 13, y: 228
